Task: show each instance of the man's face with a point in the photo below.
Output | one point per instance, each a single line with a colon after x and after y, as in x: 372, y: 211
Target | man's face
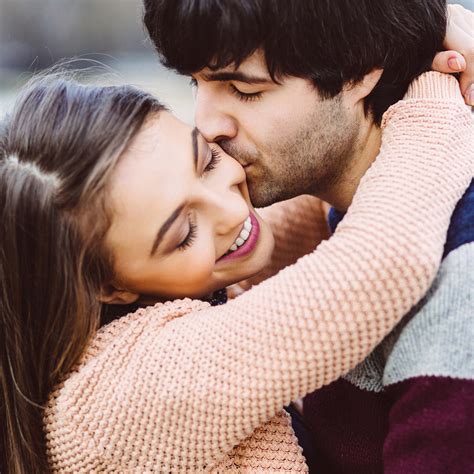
x: 287, y: 137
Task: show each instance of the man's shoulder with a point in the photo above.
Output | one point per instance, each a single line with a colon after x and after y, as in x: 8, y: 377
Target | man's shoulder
x: 436, y: 339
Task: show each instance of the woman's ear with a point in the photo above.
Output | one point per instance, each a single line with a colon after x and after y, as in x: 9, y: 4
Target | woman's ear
x: 360, y: 90
x: 112, y: 295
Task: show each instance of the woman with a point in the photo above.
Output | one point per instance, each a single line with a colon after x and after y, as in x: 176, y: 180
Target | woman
x: 105, y: 196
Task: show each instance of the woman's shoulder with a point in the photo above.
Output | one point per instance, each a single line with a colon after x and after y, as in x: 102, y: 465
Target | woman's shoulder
x: 117, y: 345
x: 103, y: 385
x: 124, y: 331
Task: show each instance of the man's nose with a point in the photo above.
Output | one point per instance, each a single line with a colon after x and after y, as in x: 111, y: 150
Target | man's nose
x: 212, y: 120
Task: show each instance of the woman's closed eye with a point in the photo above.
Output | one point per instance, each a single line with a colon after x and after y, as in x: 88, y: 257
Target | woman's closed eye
x: 213, y: 161
x: 215, y: 157
x: 191, y: 235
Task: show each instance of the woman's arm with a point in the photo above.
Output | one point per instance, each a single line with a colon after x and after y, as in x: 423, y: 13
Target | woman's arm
x: 201, y: 383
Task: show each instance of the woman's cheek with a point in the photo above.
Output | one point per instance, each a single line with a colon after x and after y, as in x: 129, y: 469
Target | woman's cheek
x: 186, y: 275
x: 192, y: 264
x: 201, y: 262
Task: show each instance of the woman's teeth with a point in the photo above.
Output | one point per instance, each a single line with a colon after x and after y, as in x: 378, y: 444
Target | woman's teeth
x: 243, y: 236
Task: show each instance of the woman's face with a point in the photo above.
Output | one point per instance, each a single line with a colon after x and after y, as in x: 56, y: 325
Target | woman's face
x: 179, y: 206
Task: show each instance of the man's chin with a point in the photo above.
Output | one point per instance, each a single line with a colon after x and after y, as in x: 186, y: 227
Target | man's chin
x: 264, y: 196
x: 259, y: 201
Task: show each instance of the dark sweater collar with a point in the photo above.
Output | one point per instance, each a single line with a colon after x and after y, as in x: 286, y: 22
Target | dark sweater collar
x: 334, y: 217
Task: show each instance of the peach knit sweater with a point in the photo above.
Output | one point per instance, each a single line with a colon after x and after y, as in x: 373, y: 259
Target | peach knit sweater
x: 183, y: 386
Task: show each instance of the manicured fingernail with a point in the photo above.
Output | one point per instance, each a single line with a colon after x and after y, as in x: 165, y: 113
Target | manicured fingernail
x: 454, y: 64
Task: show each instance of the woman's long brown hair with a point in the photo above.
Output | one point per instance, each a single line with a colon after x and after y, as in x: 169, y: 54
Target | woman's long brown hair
x: 58, y: 148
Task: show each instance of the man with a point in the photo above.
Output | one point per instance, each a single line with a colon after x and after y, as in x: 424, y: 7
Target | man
x: 295, y: 91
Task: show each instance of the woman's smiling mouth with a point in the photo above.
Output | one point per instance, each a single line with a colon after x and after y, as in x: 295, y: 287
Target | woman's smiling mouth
x: 245, y: 242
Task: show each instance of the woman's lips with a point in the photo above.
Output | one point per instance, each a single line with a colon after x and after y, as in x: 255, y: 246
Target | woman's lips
x: 249, y: 244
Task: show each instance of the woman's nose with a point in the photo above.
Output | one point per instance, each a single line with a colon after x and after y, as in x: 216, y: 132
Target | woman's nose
x: 226, y: 204
x: 230, y: 213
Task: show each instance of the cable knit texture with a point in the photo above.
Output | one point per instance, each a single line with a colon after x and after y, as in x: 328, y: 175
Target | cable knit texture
x: 183, y: 386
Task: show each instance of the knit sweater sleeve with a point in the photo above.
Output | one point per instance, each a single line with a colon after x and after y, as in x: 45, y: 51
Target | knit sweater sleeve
x: 179, y: 395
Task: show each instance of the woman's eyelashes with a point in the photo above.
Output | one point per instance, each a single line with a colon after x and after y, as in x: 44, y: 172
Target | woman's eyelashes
x: 192, y: 233
x: 191, y: 236
x: 214, y: 160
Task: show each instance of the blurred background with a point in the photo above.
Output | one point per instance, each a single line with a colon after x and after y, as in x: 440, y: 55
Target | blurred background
x: 34, y: 34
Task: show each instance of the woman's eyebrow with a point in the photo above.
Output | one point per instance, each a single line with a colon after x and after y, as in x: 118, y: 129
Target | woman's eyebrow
x: 164, y: 229
x: 169, y: 222
x: 194, y: 139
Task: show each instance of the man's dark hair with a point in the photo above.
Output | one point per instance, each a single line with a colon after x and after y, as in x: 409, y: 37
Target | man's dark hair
x: 331, y: 42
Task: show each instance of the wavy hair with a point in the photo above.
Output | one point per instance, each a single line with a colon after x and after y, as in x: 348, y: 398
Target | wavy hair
x: 58, y: 147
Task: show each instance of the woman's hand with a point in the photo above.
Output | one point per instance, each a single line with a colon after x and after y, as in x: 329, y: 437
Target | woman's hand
x: 459, y: 57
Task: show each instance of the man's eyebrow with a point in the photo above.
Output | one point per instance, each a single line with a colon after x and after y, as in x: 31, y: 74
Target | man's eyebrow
x: 164, y: 228
x: 236, y: 76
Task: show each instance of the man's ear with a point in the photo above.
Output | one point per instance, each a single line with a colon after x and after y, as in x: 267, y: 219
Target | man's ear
x: 112, y: 295
x: 360, y: 90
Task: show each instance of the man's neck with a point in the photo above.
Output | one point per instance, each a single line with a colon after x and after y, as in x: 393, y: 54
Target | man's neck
x: 363, y: 155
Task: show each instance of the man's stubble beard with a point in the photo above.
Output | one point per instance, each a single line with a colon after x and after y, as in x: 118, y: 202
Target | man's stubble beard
x: 311, y: 161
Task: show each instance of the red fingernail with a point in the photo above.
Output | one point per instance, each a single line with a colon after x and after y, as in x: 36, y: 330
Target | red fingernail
x: 454, y: 63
